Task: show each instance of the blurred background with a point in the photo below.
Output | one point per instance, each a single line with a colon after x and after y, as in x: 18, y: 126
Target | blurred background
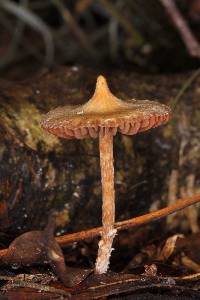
x: 152, y: 36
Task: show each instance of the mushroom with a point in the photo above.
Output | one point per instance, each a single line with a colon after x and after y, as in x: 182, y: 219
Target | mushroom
x: 103, y: 116
x: 40, y: 247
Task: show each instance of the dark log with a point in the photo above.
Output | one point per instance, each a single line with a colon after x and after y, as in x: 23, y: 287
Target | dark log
x: 39, y: 172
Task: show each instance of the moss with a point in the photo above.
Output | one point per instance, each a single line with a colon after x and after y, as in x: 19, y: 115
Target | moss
x: 63, y: 218
x: 33, y: 131
x: 128, y: 145
x: 27, y: 121
x: 168, y: 130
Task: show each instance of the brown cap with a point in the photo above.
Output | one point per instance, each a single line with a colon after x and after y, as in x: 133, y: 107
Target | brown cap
x: 105, y: 112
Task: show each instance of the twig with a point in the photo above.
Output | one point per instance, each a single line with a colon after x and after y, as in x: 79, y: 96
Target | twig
x: 25, y: 51
x: 34, y: 278
x: 33, y: 21
x: 128, y: 283
x: 118, y: 16
x: 68, y: 18
x: 181, y: 24
x: 130, y: 223
x: 16, y: 38
x: 134, y: 222
x: 182, y: 90
x: 36, y: 286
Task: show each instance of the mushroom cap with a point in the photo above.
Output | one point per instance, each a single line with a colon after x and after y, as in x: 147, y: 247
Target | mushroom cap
x: 105, y: 112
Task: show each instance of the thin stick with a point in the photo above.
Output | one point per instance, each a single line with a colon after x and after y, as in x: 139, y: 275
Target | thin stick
x: 130, y: 223
x: 67, y: 239
x: 33, y: 21
x: 187, y: 36
x: 78, y: 32
x: 118, y: 17
x: 35, y: 286
x: 173, y: 103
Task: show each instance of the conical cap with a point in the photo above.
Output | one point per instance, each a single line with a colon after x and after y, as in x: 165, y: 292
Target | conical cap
x: 105, y: 111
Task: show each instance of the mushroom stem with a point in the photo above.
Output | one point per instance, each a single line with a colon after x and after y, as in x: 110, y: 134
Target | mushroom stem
x: 108, y: 199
